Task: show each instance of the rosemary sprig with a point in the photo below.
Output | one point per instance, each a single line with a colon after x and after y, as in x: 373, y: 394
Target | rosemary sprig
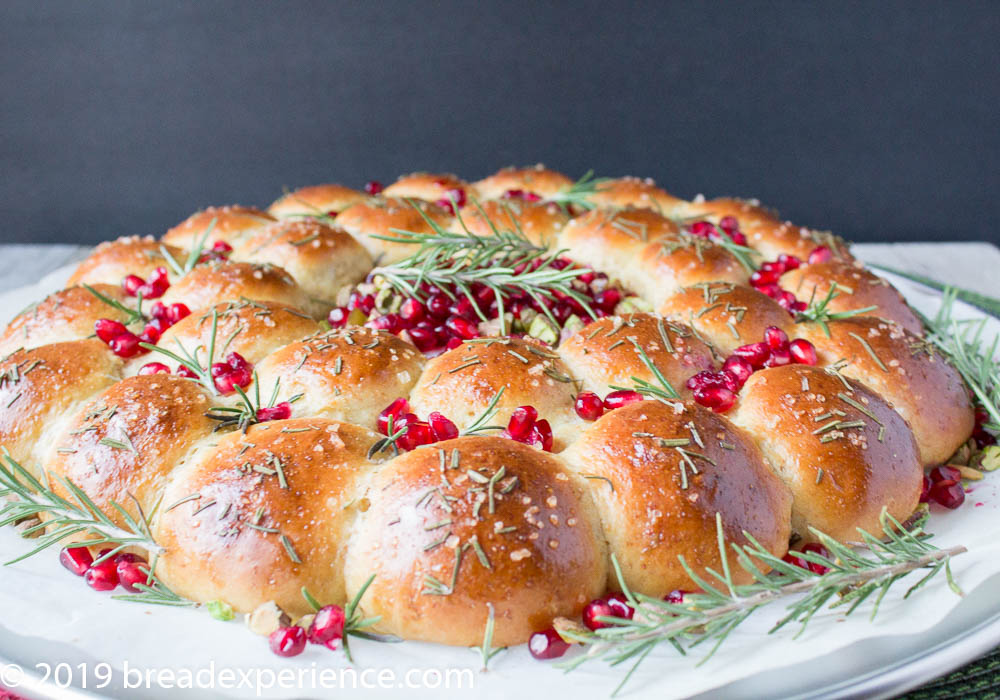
x: 990, y: 305
x: 711, y: 615
x: 481, y: 424
x: 819, y: 312
x: 390, y: 440
x: 487, y: 650
x: 355, y: 624
x: 664, y: 392
x: 742, y: 253
x: 132, y: 315
x: 191, y: 360
x: 194, y: 255
x: 27, y: 497
x: 506, y: 262
x: 579, y: 193
x: 246, y: 412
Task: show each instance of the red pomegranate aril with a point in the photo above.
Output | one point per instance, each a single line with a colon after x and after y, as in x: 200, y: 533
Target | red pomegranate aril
x: 779, y: 358
x: 802, y: 351
x: 608, y: 299
x: 238, y: 362
x: 925, y: 489
x: 739, y: 368
x: 150, y: 334
x: 453, y: 343
x: 702, y: 229
x: 107, y: 330
x: 599, y: 607
x: 547, y: 644
x: 373, y: 187
x: 417, y: 433
x: 729, y: 223
x: 775, y: 337
x: 327, y: 625
x: 802, y: 563
x: 337, y: 317
x: 774, y: 267
x: 522, y: 420
x: 762, y: 277
x: 387, y: 322
x: 154, y: 368
x: 287, y: 641
x: 588, y: 405
x: 397, y: 409
x: 437, y: 305
x: 730, y: 381
x: 463, y: 307
x: 704, y: 379
x: 948, y: 493
x: 132, y: 284
x: 411, y: 311
x: 177, y: 312
x: 222, y: 247
x: 131, y: 570
x: 754, y: 353
x: 76, y: 559
x: 442, y: 427
x: 737, y: 237
x: 126, y: 345
x: 787, y: 301
x: 676, y: 597
x: 280, y: 411
x: 617, y: 399
x: 718, y: 398
x: 462, y: 328
x: 103, y: 576
x: 424, y: 338
x: 185, y: 372
x: 789, y: 262
x: 620, y: 607
x: 771, y: 290
x: 820, y: 254
x: 541, y: 435
x: 945, y: 473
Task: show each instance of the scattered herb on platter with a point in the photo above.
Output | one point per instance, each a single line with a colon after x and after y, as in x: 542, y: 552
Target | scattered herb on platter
x: 986, y: 303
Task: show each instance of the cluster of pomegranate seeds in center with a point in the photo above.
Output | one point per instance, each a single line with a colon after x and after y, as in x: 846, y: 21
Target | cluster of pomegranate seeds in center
x: 236, y: 371
x: 326, y: 629
x: 802, y: 563
x: 765, y: 279
x: 438, y: 321
x: 590, y: 406
x: 727, y: 224
x: 125, y: 343
x: 524, y: 426
x: 717, y: 390
x: 124, y: 569
x: 944, y: 487
x: 153, y: 288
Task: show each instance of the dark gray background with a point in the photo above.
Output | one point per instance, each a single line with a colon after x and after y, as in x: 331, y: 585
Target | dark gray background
x: 877, y: 120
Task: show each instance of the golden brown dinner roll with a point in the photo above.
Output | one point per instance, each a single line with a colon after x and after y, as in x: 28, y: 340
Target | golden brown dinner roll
x: 320, y: 258
x: 328, y: 199
x: 428, y: 186
x: 905, y: 370
x: 857, y: 288
x: 460, y: 383
x: 251, y: 328
x: 840, y: 448
x: 126, y: 442
x: 471, y: 522
x: 223, y: 281
x: 68, y: 314
x: 41, y: 388
x: 229, y: 224
x: 683, y: 260
x: 603, y: 354
x: 536, y: 179
x: 257, y: 516
x: 659, y: 474
x: 348, y: 374
x: 378, y: 217
x: 112, y: 261
x: 726, y: 315
x: 540, y: 222
x: 635, y: 192
x: 611, y: 240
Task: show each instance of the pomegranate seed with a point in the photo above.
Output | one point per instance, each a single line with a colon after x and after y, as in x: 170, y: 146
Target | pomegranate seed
x: 222, y: 247
x: 547, y: 644
x: 103, y: 576
x: 730, y: 381
x: 740, y: 368
x: 820, y: 254
x: 675, y: 597
x: 327, y: 625
x: 718, y: 398
x: 787, y: 301
x: 620, y: 607
x: 463, y: 307
x: 374, y: 187
x: 126, y: 345
x: 132, y: 284
x: 177, y: 311
x: 412, y: 311
x: 150, y: 334
x: 397, y: 409
x: 588, y: 405
x: 183, y: 371
x: 417, y: 433
x: 617, y: 399
x: 287, y: 641
x: 280, y: 411
x: 775, y: 337
x: 704, y: 379
x: 945, y: 473
x: 154, y: 368
x: 925, y: 489
x: 453, y: 343
x: 388, y: 322
x: 131, y: 570
x: 754, y: 353
x: 771, y: 290
x: 789, y: 262
x: 437, y: 306
x: 599, y: 607
x: 76, y: 559
x: 779, y: 358
x: 948, y: 493
x: 728, y: 223
x: 773, y: 267
x: 522, y: 420
x: 238, y: 362
x: 442, y: 427
x: 762, y: 277
x: 608, y: 299
x: 801, y: 562
x: 702, y: 228
x: 541, y: 435
x: 107, y: 330
x: 802, y: 351
x: 462, y: 328
x: 424, y: 338
x: 337, y: 318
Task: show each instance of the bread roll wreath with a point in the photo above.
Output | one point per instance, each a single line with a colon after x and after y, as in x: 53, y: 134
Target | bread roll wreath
x: 523, y: 409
